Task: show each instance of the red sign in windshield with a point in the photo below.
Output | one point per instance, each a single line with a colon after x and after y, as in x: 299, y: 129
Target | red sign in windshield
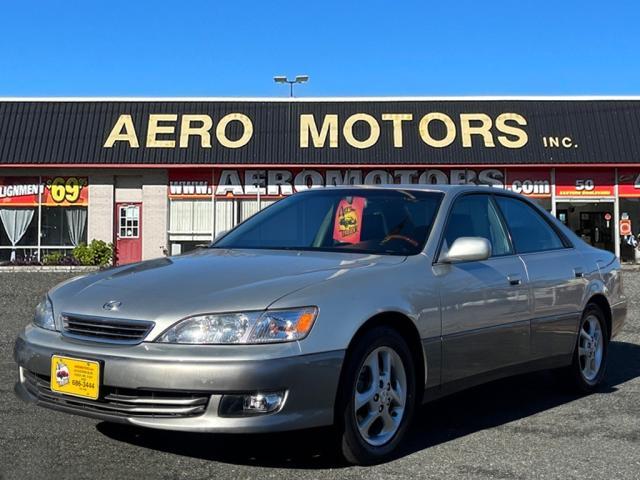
x: 348, y: 223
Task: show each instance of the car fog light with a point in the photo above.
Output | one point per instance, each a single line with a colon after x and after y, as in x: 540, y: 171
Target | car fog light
x: 250, y: 404
x: 262, y: 402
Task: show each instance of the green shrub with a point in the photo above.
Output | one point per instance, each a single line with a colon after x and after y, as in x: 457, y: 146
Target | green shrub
x: 97, y: 253
x: 53, y: 258
x: 83, y: 254
x: 60, y: 258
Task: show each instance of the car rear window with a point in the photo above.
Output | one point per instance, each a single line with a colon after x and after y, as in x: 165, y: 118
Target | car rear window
x: 529, y: 231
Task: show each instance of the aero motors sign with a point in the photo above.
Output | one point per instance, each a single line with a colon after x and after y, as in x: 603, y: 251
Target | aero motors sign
x: 327, y: 133
x: 282, y: 182
x: 584, y: 183
x: 358, y: 130
x: 274, y: 183
x: 529, y: 182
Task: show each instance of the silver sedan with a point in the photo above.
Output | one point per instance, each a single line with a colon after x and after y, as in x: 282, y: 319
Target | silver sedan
x: 347, y: 306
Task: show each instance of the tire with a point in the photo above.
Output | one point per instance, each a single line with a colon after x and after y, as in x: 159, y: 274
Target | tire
x: 384, y: 434
x: 589, y: 364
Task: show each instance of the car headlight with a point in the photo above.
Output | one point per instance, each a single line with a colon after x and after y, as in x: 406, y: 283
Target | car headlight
x: 44, y: 314
x: 269, y: 326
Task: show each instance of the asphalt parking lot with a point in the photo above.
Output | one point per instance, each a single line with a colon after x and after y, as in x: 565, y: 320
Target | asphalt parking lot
x: 524, y: 427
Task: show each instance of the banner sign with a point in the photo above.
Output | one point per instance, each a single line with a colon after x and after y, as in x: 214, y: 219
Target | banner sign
x: 629, y: 182
x: 50, y: 191
x: 584, y: 183
x: 529, y: 182
x: 66, y: 191
x: 20, y: 191
x: 190, y: 184
x: 274, y: 183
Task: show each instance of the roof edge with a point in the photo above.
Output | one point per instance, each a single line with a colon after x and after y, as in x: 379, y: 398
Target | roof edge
x: 332, y: 99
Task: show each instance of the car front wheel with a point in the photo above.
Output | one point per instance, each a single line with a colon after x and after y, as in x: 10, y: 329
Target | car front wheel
x: 378, y: 396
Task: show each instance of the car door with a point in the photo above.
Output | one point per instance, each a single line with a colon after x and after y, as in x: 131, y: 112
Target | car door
x: 484, y: 304
x: 556, y: 276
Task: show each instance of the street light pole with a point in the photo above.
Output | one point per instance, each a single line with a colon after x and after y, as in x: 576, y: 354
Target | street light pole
x: 298, y: 79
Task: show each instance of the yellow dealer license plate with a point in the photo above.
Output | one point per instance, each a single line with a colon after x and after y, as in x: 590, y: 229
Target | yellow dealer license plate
x: 74, y: 376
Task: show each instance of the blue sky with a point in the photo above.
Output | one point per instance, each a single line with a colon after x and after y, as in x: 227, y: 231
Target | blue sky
x: 233, y: 48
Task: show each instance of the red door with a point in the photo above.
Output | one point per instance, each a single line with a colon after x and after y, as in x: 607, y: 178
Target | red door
x: 128, y: 231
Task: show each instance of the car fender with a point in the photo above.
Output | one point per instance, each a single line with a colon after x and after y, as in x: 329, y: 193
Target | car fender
x: 605, y: 277
x: 349, y: 298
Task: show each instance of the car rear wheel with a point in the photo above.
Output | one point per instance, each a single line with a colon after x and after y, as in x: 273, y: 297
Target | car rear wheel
x: 590, y: 355
x: 378, y: 396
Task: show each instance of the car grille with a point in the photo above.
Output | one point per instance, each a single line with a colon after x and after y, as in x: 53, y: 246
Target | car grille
x: 109, y: 330
x: 122, y: 402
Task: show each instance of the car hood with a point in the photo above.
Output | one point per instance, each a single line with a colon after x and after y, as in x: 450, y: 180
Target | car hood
x: 168, y: 289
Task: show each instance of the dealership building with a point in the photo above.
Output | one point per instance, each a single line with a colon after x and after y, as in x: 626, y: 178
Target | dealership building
x: 162, y: 176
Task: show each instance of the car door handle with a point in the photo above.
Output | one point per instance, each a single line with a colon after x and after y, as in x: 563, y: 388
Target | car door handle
x: 578, y: 272
x: 514, y: 279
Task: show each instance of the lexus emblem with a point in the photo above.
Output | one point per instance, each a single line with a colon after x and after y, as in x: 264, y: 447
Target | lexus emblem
x: 112, y: 305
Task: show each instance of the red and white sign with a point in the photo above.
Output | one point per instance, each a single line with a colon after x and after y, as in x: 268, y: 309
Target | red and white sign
x: 625, y: 226
x: 530, y: 182
x: 629, y: 182
x: 348, y: 223
x: 275, y: 183
x: 584, y: 183
x: 190, y: 184
x: 51, y: 191
x: 20, y: 191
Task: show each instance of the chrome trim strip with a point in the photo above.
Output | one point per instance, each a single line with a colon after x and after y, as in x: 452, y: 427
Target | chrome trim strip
x: 122, y: 405
x: 114, y: 397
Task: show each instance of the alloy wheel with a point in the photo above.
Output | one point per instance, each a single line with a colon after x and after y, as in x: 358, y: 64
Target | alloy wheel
x: 380, y: 396
x: 590, y: 348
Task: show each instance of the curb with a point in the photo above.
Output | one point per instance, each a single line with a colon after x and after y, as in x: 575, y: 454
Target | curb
x: 48, y: 268
x: 630, y: 267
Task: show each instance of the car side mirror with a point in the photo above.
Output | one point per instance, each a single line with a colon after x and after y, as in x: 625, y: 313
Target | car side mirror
x: 468, y: 249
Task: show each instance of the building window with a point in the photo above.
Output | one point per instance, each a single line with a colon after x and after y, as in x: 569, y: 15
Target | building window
x: 190, y: 220
x: 19, y: 232
x: 39, y: 215
x: 63, y: 226
x: 129, y: 221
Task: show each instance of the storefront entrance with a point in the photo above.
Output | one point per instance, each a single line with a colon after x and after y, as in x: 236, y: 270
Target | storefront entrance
x: 128, y: 230
x: 592, y: 221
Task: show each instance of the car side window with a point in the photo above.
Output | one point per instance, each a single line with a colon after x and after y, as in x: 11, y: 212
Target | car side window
x: 476, y: 216
x: 529, y: 231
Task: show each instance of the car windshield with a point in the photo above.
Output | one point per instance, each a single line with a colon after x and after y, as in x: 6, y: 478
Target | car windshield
x: 395, y: 222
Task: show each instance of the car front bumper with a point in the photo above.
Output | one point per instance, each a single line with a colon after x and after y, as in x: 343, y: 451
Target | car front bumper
x: 180, y: 387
